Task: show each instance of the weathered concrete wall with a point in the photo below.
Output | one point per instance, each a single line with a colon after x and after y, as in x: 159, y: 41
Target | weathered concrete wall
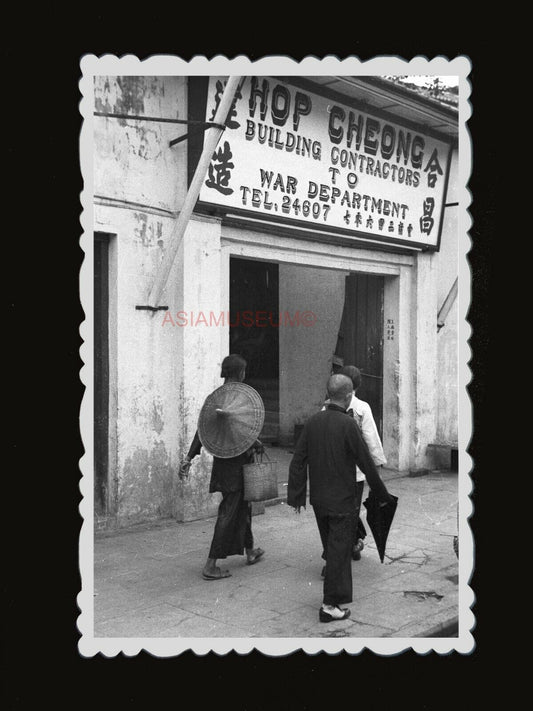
x: 424, y: 358
x: 447, y: 339
x: 145, y: 372
x: 139, y: 186
x: 434, y: 353
x: 133, y: 161
x: 398, y: 398
x: 203, y: 347
x: 306, y: 352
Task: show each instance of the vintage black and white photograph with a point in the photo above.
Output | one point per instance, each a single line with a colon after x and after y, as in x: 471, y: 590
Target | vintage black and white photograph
x: 275, y: 416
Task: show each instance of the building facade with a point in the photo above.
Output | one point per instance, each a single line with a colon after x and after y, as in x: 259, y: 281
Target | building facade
x: 325, y: 233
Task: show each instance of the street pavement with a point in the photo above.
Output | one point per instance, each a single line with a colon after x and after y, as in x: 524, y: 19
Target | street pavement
x: 148, y: 584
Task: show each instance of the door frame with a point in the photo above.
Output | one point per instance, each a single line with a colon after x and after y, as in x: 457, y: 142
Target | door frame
x: 110, y: 233
x: 398, y: 396
x: 351, y: 346
x: 101, y: 369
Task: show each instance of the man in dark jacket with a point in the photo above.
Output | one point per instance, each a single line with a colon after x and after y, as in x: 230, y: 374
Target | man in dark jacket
x: 331, y: 446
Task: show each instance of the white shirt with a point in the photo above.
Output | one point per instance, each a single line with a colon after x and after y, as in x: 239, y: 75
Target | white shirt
x: 362, y: 414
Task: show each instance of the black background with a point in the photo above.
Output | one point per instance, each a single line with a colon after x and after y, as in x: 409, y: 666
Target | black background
x: 41, y: 664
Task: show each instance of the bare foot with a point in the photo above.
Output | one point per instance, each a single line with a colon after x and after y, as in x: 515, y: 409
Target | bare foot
x: 254, y: 555
x: 215, y: 573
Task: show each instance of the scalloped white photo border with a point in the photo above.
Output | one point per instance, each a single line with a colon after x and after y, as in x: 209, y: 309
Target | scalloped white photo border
x: 165, y: 65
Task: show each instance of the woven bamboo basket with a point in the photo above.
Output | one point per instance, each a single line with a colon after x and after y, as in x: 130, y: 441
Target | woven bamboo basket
x: 260, y: 479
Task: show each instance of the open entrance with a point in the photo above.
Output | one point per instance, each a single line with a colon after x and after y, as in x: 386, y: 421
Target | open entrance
x: 290, y: 360
x: 360, y: 340
x: 101, y: 371
x: 254, y: 332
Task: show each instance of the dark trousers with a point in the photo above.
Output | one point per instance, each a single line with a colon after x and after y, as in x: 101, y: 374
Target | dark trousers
x: 359, y: 531
x: 336, y: 536
x: 233, y: 529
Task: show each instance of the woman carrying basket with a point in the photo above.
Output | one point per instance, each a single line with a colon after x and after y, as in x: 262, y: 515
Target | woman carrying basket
x: 226, y: 425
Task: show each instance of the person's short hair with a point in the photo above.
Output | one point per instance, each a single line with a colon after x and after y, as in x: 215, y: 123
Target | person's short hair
x: 339, y: 387
x: 353, y: 373
x: 232, y: 366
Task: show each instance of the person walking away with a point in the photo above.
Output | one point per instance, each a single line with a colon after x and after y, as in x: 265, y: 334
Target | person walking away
x: 328, y: 451
x: 362, y: 413
x: 233, y: 528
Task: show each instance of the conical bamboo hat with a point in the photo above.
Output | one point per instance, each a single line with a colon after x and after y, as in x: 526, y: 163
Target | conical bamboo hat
x: 231, y: 420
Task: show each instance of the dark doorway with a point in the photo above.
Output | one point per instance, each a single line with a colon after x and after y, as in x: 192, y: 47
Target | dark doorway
x: 360, y: 341
x: 101, y: 370
x: 254, y: 332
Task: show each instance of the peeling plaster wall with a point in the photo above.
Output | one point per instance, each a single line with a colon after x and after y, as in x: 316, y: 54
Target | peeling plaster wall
x: 436, y: 353
x: 133, y: 161
x: 447, y: 421
x: 447, y: 339
x: 398, y: 400
x: 306, y: 352
x: 424, y: 358
x: 203, y: 349
x: 139, y: 182
x: 147, y: 374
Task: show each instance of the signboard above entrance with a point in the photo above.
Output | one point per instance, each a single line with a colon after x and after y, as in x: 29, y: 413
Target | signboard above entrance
x: 289, y: 155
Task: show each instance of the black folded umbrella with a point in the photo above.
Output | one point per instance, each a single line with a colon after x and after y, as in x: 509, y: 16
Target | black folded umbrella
x: 361, y: 530
x: 379, y: 518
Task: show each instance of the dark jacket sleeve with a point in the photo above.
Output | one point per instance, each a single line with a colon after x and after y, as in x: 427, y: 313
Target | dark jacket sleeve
x: 364, y: 461
x: 195, y: 447
x: 297, y: 486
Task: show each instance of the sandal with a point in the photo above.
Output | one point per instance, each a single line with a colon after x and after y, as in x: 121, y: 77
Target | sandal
x: 218, y: 574
x: 256, y: 555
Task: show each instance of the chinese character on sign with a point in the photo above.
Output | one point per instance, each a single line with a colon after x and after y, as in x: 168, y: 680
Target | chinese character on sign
x: 233, y: 112
x: 409, y: 230
x: 433, y: 166
x: 390, y: 329
x: 381, y: 222
x: 426, y: 221
x: 369, y: 223
x: 219, y: 174
x: 400, y: 228
x: 391, y: 226
x: 358, y: 219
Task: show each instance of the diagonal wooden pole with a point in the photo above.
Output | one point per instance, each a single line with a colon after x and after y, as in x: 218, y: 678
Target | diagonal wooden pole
x: 447, y: 305
x: 212, y: 137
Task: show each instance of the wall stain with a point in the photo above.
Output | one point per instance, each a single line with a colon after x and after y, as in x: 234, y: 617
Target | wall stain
x: 121, y: 95
x: 131, y: 98
x: 104, y: 102
x: 146, y: 483
x: 157, y: 419
x: 140, y: 230
x: 148, y: 232
x: 149, y: 142
x: 193, y: 500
